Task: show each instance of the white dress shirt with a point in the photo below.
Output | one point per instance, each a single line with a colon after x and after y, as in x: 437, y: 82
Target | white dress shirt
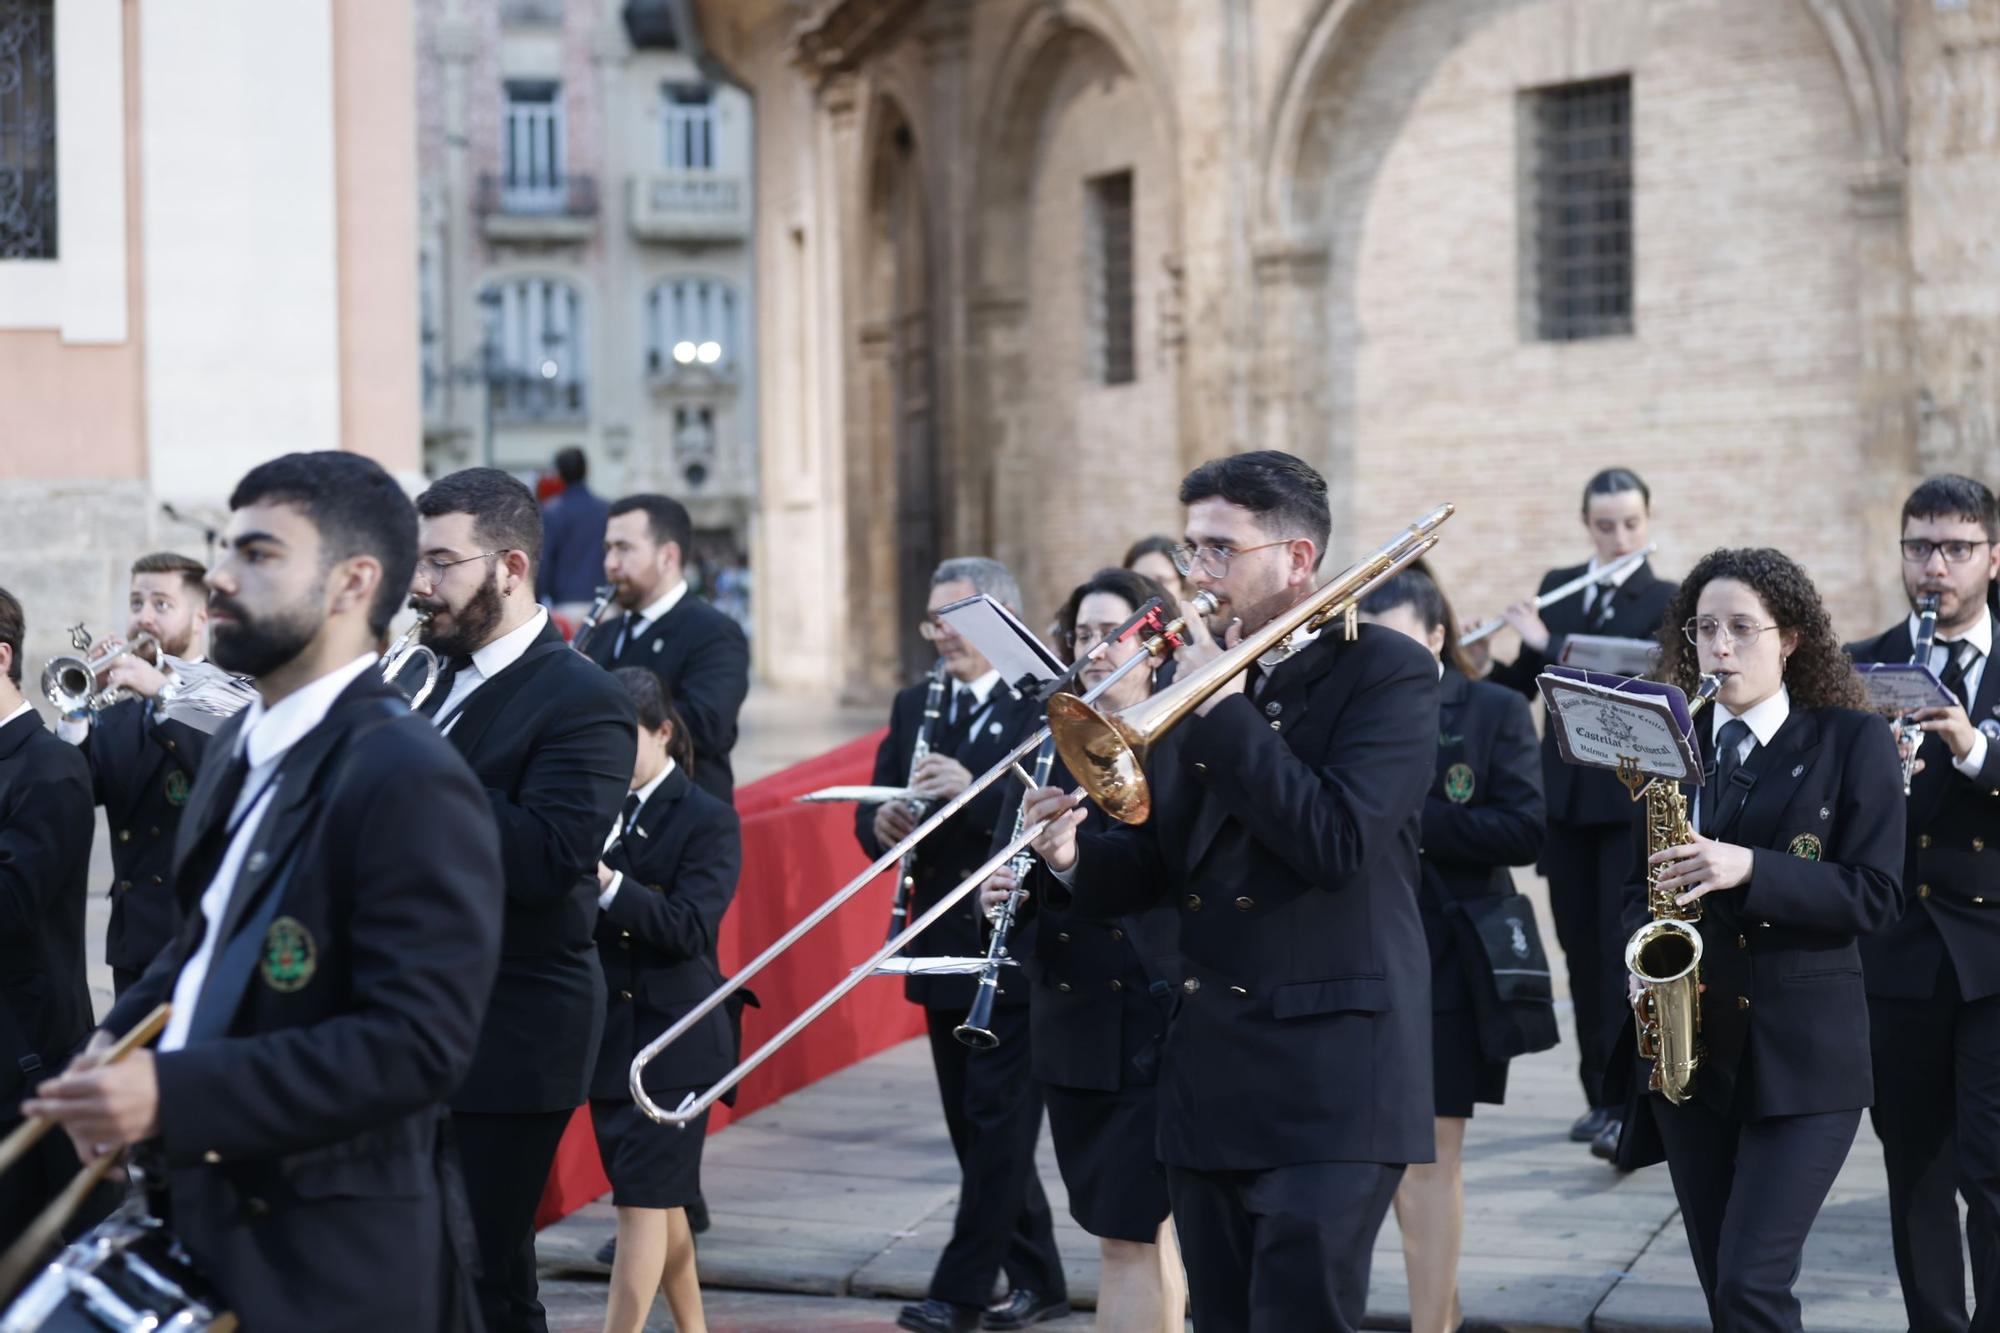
x: 642, y: 620
x: 267, y: 737
x: 487, y: 663
x: 1764, y: 720
x: 1607, y: 587
x: 624, y: 826
x: 25, y: 707
x: 1979, y: 636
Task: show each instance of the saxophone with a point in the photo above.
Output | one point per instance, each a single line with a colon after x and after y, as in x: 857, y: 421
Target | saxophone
x: 1665, y: 953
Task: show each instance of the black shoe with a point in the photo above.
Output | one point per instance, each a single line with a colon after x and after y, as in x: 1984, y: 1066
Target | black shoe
x: 1605, y: 1145
x: 1590, y: 1125
x: 697, y: 1216
x: 939, y: 1317
x: 1024, y: 1309
x: 607, y: 1251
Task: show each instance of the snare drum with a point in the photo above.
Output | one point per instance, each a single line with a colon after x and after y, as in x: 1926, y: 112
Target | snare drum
x: 125, y: 1275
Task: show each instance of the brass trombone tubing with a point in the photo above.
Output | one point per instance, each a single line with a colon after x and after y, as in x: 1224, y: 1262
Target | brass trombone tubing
x: 694, y: 1106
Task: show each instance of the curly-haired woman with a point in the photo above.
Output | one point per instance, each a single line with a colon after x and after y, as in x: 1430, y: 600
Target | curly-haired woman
x: 1798, y: 852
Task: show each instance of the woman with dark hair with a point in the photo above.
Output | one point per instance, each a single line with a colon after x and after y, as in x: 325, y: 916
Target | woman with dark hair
x: 1153, y: 558
x: 668, y: 874
x: 1591, y: 816
x: 1482, y: 814
x: 1096, y: 1028
x: 1798, y: 852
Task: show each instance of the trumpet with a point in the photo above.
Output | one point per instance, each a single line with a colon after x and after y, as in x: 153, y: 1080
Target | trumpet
x: 1104, y: 751
x: 406, y: 650
x: 70, y: 682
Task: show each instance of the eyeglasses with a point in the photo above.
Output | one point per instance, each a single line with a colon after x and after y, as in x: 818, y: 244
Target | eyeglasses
x: 1918, y: 551
x: 1215, y: 559
x: 934, y: 629
x: 1085, y: 637
x: 433, y: 569
x: 1742, y: 630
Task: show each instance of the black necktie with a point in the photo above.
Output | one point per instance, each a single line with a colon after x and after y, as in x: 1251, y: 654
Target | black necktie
x: 1728, y: 752
x: 630, y: 813
x: 629, y: 634
x: 957, y: 720
x: 1959, y: 659
x: 446, y: 678
x: 206, y: 856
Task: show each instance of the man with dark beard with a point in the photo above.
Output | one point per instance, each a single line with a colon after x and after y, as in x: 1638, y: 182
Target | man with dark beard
x: 143, y: 758
x: 336, y: 864
x: 552, y: 739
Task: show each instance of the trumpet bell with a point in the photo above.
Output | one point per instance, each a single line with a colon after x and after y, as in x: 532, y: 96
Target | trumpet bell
x: 1105, y: 754
x: 67, y: 683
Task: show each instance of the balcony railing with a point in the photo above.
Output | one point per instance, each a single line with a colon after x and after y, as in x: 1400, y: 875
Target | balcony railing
x: 690, y: 206
x: 561, y: 208
x: 543, y: 12
x: 519, y: 398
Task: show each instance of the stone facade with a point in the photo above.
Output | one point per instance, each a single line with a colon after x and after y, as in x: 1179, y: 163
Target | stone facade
x: 1328, y: 259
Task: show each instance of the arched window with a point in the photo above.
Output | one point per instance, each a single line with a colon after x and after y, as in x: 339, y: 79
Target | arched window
x: 691, y: 322
x: 538, y: 341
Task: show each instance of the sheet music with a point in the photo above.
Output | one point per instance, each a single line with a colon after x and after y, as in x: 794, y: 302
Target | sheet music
x: 1610, y: 722
x: 998, y: 633
x: 1902, y: 687
x: 1610, y: 654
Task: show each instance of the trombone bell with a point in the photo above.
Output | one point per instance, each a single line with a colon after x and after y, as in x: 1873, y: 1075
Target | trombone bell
x: 1105, y: 755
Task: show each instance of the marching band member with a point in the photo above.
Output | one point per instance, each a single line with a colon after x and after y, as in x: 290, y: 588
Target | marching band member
x: 1797, y: 852
x: 1933, y: 973
x: 1483, y: 814
x: 1097, y: 1026
x: 666, y: 879
x: 551, y: 739
x: 336, y: 865
x: 991, y: 1105
x: 45, y: 830
x: 1295, y: 1082
x: 1591, y: 817
x: 698, y: 652
x: 143, y: 762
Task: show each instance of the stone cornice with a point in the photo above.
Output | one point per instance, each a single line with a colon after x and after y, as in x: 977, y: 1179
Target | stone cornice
x: 837, y: 36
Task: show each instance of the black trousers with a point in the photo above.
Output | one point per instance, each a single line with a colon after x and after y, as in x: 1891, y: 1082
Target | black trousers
x: 993, y: 1108
x: 1937, y: 1112
x: 1587, y: 866
x: 1749, y: 1191
x: 1282, y: 1249
x: 507, y: 1160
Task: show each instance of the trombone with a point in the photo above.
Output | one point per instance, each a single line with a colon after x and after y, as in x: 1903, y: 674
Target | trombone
x: 1106, y: 753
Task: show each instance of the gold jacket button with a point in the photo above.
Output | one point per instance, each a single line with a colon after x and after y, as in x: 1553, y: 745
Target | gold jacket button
x: 212, y: 1157
x: 1117, y: 985
x: 1063, y: 986
x: 1191, y: 985
x: 1239, y: 992
x: 624, y: 934
x: 124, y: 835
x: 122, y: 885
x: 1116, y: 934
x: 1245, y: 904
x: 1062, y: 937
x: 1194, y: 902
x: 1923, y: 890
x: 156, y: 879
x: 624, y: 995
x: 1743, y: 1002
x: 1742, y: 941
x: 1924, y: 841
x: 1276, y: 725
x: 1979, y: 844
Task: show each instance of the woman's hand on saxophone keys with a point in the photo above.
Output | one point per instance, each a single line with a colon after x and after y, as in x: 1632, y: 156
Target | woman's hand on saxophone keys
x: 1702, y: 867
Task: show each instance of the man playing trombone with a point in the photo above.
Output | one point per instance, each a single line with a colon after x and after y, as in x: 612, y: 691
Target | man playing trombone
x: 143, y: 760
x: 991, y: 1102
x: 1296, y: 1079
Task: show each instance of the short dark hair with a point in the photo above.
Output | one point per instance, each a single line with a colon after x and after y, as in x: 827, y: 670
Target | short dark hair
x: 653, y: 700
x: 1416, y: 587
x: 357, y: 508
x: 1616, y: 481
x: 571, y: 465
x: 666, y: 518
x: 1135, y: 590
x: 193, y: 573
x: 1285, y: 493
x: 1949, y: 495
x: 13, y: 629
x: 504, y: 513
x: 1154, y: 545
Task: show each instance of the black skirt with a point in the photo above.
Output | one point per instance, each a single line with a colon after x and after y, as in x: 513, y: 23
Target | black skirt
x: 1460, y: 1074
x: 1105, y: 1150
x: 650, y: 1165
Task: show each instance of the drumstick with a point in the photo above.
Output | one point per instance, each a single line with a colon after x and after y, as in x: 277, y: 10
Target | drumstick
x: 25, y: 1135
x: 47, y: 1227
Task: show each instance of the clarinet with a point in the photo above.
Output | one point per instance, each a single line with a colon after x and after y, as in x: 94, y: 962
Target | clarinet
x: 1912, y: 733
x: 977, y: 1029
x: 596, y: 614
x: 906, y: 873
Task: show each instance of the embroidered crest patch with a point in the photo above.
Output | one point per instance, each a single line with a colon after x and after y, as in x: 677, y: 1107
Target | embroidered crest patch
x: 290, y: 957
x: 177, y: 788
x: 1805, y: 847
x: 1458, y: 783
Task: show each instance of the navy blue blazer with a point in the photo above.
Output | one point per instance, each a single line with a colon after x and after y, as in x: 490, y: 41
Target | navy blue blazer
x: 141, y: 772
x: 298, y: 1127
x: 1951, y: 860
x: 1284, y: 835
x: 1482, y: 814
x: 657, y: 939
x: 572, y: 562
x: 1785, y: 1016
x: 1578, y: 795
x: 46, y: 825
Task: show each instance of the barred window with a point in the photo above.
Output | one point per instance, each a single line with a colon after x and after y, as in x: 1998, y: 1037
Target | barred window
x: 689, y: 321
x: 1110, y: 269
x: 533, y: 148
x: 27, y: 129
x: 687, y: 127
x: 537, y: 334
x: 1581, y: 212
